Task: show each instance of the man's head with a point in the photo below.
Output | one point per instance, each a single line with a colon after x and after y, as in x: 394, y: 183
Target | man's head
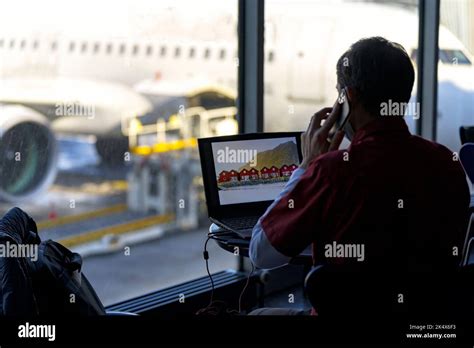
x: 374, y: 71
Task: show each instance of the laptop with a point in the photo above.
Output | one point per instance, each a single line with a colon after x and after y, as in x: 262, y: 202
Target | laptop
x: 244, y: 173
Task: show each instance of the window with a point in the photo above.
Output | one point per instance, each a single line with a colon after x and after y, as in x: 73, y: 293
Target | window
x: 149, y: 50
x: 192, y: 52
x: 163, y: 51
x: 35, y: 44
x: 447, y: 56
x: 122, y: 49
x: 160, y: 244
x: 54, y: 46
x: 271, y: 56
x: 312, y: 35
x: 12, y: 43
x: 455, y: 86
x: 135, y: 50
x: 222, y: 54
x: 453, y: 57
x: 22, y: 44
x: 207, y: 53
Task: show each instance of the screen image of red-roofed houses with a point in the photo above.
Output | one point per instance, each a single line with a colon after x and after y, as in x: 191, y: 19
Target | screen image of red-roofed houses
x: 253, y: 170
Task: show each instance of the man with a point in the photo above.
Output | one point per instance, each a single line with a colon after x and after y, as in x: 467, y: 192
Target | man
x: 392, y: 197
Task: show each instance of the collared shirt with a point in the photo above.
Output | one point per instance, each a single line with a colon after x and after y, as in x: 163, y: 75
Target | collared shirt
x: 394, y: 196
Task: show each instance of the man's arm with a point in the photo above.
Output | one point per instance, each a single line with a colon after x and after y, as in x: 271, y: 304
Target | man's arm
x: 288, y: 225
x: 262, y: 253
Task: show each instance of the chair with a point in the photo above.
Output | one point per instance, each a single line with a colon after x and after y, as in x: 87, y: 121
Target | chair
x: 466, y: 156
x: 336, y: 293
x: 466, y: 133
x: 357, y: 291
x: 468, y: 250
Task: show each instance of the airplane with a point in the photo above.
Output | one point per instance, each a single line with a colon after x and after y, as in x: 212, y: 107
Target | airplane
x: 80, y: 68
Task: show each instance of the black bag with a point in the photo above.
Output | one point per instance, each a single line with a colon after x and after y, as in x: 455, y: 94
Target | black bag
x: 59, y: 286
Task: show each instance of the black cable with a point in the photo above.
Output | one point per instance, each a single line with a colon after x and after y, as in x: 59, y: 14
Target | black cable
x: 206, y: 258
x: 245, y: 288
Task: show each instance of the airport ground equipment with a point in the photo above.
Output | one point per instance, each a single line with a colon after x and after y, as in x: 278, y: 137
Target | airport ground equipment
x: 166, y: 172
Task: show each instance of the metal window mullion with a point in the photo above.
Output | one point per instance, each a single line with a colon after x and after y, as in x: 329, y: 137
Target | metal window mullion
x: 250, y: 88
x: 427, y: 89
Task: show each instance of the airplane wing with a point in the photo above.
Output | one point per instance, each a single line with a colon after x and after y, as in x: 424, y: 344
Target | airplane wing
x: 76, y: 106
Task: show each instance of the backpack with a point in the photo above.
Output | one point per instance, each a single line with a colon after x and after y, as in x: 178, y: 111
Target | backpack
x: 59, y: 286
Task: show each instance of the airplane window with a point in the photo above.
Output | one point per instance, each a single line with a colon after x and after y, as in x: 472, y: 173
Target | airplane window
x: 455, y: 84
x: 84, y: 47
x: 453, y: 57
x: 149, y: 50
x: 135, y: 50
x: 271, y: 56
x: 96, y: 47
x: 447, y: 56
x: 12, y: 43
x: 22, y: 44
x: 54, y: 46
x: 222, y: 54
x: 108, y: 49
x: 163, y: 51
x: 207, y: 53
x: 122, y: 49
x: 177, y: 52
x: 1, y: 43
x: 72, y: 46
x: 192, y: 52
x: 35, y: 44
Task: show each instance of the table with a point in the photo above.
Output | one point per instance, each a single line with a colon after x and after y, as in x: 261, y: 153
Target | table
x: 233, y: 243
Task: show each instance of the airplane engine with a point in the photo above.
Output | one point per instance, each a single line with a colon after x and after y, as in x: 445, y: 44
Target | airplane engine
x: 28, y: 153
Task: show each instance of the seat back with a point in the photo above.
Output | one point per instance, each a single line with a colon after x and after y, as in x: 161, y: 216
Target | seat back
x: 466, y: 156
x: 466, y: 133
x: 468, y: 250
x: 337, y: 291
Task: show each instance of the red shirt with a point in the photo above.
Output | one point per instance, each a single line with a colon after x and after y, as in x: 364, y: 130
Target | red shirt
x: 403, y: 197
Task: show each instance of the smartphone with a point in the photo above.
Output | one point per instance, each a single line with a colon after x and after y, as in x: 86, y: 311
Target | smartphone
x: 346, y: 109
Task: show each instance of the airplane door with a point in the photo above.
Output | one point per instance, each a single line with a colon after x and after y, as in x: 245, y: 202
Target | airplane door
x: 310, y: 62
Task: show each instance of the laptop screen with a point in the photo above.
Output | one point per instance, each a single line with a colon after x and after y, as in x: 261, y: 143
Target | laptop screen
x: 253, y: 170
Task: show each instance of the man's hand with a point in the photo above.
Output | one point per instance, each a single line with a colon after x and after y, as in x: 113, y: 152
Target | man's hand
x: 314, y: 141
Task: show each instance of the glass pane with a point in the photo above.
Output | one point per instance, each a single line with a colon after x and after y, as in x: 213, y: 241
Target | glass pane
x: 455, y: 71
x: 120, y: 90
x: 306, y: 39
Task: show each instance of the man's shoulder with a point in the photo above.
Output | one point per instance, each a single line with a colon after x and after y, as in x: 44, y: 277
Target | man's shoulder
x: 330, y: 163
x: 436, y: 152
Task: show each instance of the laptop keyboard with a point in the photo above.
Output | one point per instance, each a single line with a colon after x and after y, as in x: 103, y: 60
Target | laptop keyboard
x: 241, y: 223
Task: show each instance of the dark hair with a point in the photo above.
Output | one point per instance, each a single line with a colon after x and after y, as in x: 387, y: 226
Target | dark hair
x: 378, y: 70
